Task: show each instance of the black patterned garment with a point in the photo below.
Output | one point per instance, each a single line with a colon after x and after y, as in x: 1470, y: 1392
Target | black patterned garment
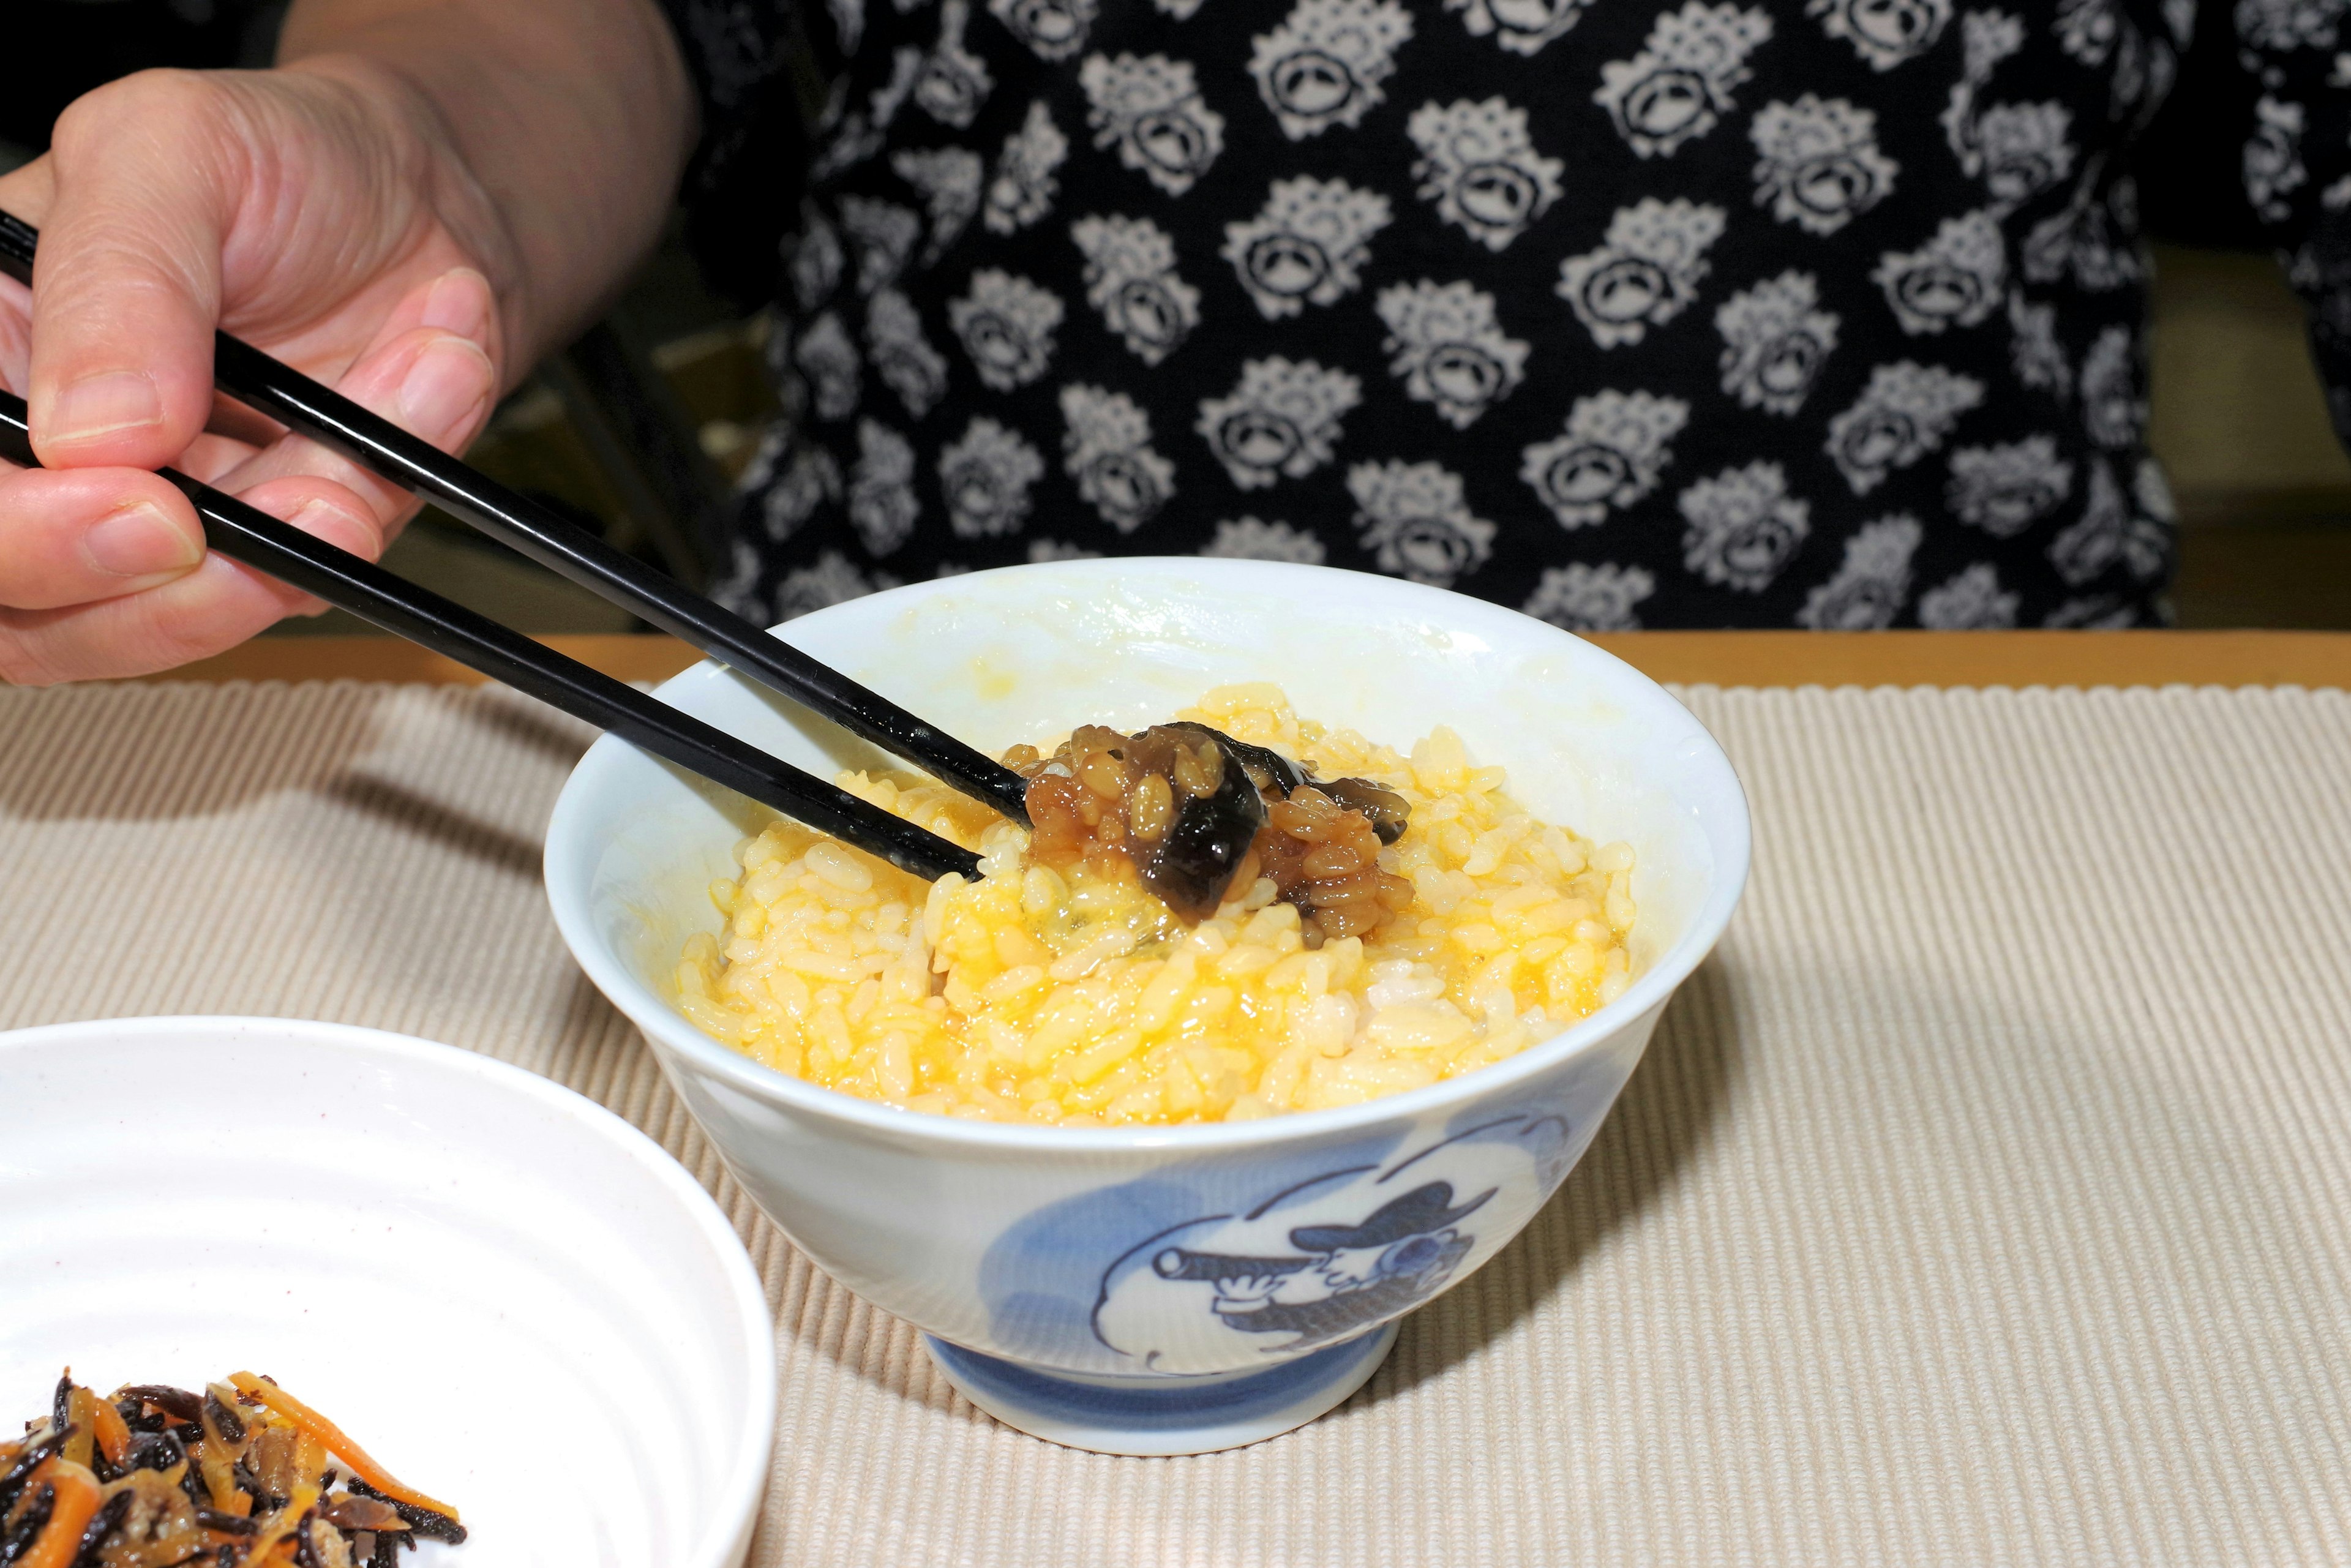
x: 1816, y: 312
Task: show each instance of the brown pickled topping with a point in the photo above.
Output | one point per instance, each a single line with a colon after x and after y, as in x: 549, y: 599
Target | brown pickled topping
x: 1199, y: 816
x: 242, y: 1474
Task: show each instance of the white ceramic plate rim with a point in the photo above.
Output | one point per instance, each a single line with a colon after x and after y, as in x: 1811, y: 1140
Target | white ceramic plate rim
x: 568, y: 896
x: 745, y: 1487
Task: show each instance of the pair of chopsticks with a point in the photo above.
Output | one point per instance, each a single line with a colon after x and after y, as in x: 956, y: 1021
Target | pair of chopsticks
x: 247, y: 534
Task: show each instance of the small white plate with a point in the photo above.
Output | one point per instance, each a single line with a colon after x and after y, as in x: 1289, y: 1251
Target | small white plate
x: 513, y: 1299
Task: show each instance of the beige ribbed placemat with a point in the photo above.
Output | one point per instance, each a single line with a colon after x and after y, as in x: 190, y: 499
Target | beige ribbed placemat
x: 1987, y: 1199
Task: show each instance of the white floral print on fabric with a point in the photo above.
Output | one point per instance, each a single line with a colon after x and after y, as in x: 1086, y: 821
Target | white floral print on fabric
x: 2080, y: 240
x: 828, y: 362
x: 1043, y: 551
x: 1281, y: 420
x: 1250, y: 538
x: 1130, y: 279
x: 1957, y: 279
x: 954, y: 82
x: 2112, y: 413
x: 1775, y: 340
x: 1053, y: 29
x: 1324, y: 64
x: 1987, y: 38
x: 791, y: 497
x: 2005, y: 489
x: 901, y: 356
x: 2034, y: 353
x: 1741, y: 527
x: 1679, y: 87
x: 1007, y: 325
x: 2272, y: 161
x: 2287, y: 25
x: 1521, y: 26
x: 1307, y: 244
x: 985, y: 475
x: 2088, y: 29
x: 1152, y: 111
x: 834, y: 580
x: 1478, y: 167
x: 1610, y: 455
x: 882, y: 503
x: 1817, y: 163
x: 884, y: 236
x: 1413, y: 517
x: 1972, y: 601
x: 1904, y: 414
x: 817, y: 261
x: 1583, y: 596
x: 2108, y: 533
x: 848, y: 23
x: 1871, y: 584
x: 738, y: 590
x: 1024, y: 186
x: 1886, y: 33
x: 1932, y: 281
x: 949, y: 181
x: 1645, y: 274
x: 1107, y: 450
x: 1448, y: 349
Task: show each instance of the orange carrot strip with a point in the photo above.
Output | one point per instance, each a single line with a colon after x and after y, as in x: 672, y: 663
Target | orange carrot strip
x: 113, y: 1436
x: 341, y: 1446
x: 75, y: 1491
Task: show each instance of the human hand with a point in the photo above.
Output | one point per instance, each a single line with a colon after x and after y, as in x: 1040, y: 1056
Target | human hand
x: 316, y: 212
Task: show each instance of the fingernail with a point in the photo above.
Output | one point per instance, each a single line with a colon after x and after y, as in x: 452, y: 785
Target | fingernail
x: 459, y: 303
x: 102, y: 404
x: 138, y: 540
x: 449, y: 381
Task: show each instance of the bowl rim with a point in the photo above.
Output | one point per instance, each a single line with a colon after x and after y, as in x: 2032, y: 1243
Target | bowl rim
x: 670, y: 1032
x: 743, y: 1490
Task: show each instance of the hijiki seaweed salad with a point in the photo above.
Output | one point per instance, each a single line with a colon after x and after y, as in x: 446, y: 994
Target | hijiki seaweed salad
x: 241, y: 1475
x: 1239, y: 914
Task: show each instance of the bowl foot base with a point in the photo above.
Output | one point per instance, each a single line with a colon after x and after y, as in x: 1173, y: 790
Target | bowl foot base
x: 1158, y: 1416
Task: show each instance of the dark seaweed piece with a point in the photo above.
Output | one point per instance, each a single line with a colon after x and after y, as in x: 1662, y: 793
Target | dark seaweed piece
x: 1191, y: 868
x: 420, y: 1520
x: 103, y: 1523
x: 193, y: 1484
x: 172, y: 1401
x: 305, y: 1545
x: 152, y: 1451
x: 226, y: 1421
x: 1384, y: 808
x: 13, y: 1480
x: 139, y: 1418
x: 18, y: 1541
x: 226, y: 1524
x: 264, y: 1500
x: 227, y: 1557
x: 62, y: 1402
x: 387, y: 1551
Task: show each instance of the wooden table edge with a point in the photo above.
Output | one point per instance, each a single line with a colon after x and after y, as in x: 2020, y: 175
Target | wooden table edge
x: 1718, y: 658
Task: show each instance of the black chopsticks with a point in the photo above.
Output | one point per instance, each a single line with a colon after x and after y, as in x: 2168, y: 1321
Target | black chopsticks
x: 246, y: 534
x: 301, y: 404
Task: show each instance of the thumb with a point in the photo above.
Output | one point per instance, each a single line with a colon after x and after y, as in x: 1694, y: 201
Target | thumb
x: 127, y: 287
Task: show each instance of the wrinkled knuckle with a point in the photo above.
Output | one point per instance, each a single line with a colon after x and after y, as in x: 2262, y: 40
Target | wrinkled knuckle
x: 182, y: 100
